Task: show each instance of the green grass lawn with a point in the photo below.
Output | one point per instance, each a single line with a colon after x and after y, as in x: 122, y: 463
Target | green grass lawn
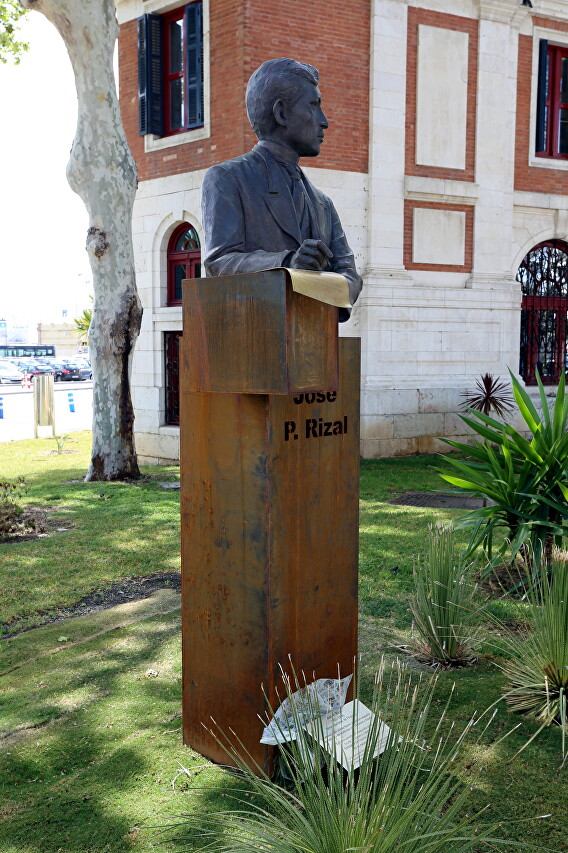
x: 90, y: 748
x: 112, y: 530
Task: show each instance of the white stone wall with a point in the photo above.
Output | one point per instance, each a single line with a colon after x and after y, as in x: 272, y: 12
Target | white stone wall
x: 427, y: 335
x: 161, y: 205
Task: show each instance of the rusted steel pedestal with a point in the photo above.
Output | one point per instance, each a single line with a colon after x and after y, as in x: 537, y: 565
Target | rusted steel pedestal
x: 269, y: 508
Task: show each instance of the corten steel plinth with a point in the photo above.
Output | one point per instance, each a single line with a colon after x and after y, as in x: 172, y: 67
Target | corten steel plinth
x: 269, y: 508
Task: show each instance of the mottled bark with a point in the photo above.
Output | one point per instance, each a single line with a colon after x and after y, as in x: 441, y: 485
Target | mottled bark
x: 102, y: 171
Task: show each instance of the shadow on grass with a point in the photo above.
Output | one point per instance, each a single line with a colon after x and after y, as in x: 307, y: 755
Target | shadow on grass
x: 84, y: 738
x: 108, y: 531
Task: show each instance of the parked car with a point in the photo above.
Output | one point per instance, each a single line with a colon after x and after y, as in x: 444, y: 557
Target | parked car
x: 7, y: 362
x: 56, y: 366
x: 70, y: 370
x: 16, y: 362
x: 41, y: 368
x: 10, y: 373
x: 31, y: 368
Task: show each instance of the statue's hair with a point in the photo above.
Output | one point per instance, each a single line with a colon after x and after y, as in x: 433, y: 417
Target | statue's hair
x: 273, y: 80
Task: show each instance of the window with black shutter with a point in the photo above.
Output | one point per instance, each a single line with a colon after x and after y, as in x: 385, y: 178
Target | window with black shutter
x: 170, y: 71
x: 552, y: 101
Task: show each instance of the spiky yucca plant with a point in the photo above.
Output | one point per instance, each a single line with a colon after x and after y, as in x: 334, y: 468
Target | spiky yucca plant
x: 537, y: 671
x: 413, y: 798
x: 444, y: 603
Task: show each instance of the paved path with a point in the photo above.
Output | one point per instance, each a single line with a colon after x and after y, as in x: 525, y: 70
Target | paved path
x: 437, y: 500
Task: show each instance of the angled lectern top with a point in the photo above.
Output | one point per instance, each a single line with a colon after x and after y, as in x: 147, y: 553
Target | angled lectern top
x: 271, y: 332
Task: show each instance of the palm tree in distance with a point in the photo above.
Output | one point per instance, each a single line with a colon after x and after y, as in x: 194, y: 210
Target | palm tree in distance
x: 83, y: 322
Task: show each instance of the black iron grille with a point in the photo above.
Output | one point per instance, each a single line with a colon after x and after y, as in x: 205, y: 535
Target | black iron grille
x: 543, y: 275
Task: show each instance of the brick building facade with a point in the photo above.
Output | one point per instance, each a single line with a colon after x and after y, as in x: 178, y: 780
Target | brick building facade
x: 446, y: 157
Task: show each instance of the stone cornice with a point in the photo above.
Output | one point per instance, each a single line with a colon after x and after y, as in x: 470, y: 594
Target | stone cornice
x: 504, y: 12
x: 387, y: 275
x: 440, y: 190
x: 500, y: 282
x: 555, y: 9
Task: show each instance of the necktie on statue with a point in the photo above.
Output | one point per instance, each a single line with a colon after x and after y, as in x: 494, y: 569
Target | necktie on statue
x: 299, y: 198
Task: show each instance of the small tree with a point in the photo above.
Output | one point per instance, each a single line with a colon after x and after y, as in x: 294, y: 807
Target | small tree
x: 490, y: 394
x: 10, y: 45
x: 83, y: 322
x: 102, y: 171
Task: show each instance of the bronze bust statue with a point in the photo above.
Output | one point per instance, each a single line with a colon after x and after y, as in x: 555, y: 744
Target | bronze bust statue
x: 260, y: 211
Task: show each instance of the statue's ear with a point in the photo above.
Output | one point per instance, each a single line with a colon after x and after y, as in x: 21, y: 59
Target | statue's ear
x: 279, y: 113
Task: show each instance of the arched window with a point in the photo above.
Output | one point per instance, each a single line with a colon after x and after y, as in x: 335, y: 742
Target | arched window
x: 184, y: 260
x: 543, y: 275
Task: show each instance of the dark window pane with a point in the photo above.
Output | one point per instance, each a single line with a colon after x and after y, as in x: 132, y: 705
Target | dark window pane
x: 171, y: 353
x: 563, y: 132
x: 176, y: 47
x: 179, y: 275
x: 187, y: 241
x: 176, y: 104
x: 546, y: 336
x: 184, y: 260
x: 523, y: 356
x: 564, y: 80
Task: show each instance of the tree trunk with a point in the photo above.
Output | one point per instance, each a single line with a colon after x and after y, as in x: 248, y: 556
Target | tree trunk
x: 102, y: 171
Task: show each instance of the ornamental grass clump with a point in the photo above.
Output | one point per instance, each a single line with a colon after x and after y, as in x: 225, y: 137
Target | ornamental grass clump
x: 524, y: 482
x: 444, y: 604
x: 412, y: 798
x: 537, y: 669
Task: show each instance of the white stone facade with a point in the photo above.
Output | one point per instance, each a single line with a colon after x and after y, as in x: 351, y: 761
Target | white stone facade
x: 438, y: 252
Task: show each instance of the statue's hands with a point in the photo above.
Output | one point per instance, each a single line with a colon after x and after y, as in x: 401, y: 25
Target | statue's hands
x: 312, y: 255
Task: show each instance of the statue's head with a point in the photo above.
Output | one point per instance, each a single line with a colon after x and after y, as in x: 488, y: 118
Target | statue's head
x: 284, y: 103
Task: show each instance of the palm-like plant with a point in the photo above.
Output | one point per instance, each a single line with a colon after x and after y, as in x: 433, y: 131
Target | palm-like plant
x: 409, y: 799
x: 490, y: 395
x: 526, y: 479
x: 83, y: 322
x: 444, y: 604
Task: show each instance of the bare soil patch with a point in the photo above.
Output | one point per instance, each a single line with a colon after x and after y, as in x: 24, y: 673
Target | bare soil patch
x: 56, y: 452
x: 131, y: 589
x: 30, y: 524
x: 35, y: 522
x: 506, y: 580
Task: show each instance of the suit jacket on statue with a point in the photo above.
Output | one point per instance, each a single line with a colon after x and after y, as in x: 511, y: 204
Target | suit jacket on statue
x: 251, y: 224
